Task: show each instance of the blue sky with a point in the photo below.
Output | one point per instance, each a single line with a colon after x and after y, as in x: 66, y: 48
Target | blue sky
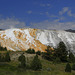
x: 42, y: 14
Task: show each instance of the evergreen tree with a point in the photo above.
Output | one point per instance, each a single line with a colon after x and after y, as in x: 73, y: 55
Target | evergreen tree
x: 36, y: 64
x: 71, y: 57
x: 57, y: 60
x: 0, y: 57
x: 73, y: 66
x: 49, y: 54
x: 31, y: 51
x: 28, y: 51
x: 38, y: 53
x: 5, y: 49
x: 3, y: 59
x: 22, y: 60
x: 61, y: 52
x: 2, y: 48
x: 7, y: 57
x: 68, y: 68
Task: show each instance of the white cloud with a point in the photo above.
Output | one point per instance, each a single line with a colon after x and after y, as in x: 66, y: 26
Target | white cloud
x: 56, y: 20
x: 50, y: 15
x: 53, y: 16
x: 11, y: 23
x: 64, y: 10
x: 69, y: 13
x: 44, y: 5
x: 29, y: 12
x: 41, y: 13
x: 48, y: 4
x: 47, y: 13
x: 56, y: 24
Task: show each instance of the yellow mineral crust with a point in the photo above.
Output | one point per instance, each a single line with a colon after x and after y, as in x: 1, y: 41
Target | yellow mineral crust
x: 21, y: 43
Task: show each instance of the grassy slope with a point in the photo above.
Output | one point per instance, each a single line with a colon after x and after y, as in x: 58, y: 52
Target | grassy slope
x: 56, y: 69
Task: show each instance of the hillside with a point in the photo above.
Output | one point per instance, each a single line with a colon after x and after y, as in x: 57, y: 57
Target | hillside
x: 23, y: 39
x: 11, y: 68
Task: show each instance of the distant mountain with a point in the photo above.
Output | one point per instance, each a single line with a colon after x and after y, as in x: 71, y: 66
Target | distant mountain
x: 23, y: 39
x: 1, y: 29
x: 70, y: 30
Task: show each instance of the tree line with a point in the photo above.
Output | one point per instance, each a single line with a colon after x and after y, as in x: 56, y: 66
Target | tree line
x: 5, y: 57
x: 3, y: 48
x: 35, y: 64
x: 58, y: 55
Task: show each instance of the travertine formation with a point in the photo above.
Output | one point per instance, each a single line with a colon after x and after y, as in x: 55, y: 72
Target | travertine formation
x: 23, y: 39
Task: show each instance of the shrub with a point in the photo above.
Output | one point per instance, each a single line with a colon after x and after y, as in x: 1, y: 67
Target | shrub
x: 48, y: 55
x: 22, y: 60
x: 0, y: 57
x: 71, y: 58
x: 68, y: 68
x: 38, y: 52
x: 73, y: 66
x: 36, y: 64
x: 7, y: 57
x: 3, y: 49
x: 57, y: 60
x: 61, y: 52
x: 30, y: 51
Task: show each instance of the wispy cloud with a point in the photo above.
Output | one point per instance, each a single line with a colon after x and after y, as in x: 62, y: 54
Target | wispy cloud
x: 45, y: 5
x: 41, y: 13
x: 29, y: 12
x: 48, y: 4
x: 48, y: 14
x: 55, y: 24
x: 64, y: 10
x: 70, y: 13
x: 53, y: 16
x: 11, y: 23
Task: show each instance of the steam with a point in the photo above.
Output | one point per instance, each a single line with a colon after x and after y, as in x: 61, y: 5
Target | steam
x: 11, y: 27
x: 11, y: 23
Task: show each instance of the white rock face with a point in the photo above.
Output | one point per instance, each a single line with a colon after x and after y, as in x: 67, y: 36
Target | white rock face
x: 21, y: 39
x: 52, y: 38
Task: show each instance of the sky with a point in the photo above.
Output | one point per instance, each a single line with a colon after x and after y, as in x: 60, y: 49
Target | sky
x: 41, y: 14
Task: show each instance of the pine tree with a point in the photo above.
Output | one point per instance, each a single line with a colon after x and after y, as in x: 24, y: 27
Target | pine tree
x: 2, y: 48
x: 73, y: 66
x: 38, y: 52
x: 7, y: 57
x: 71, y: 57
x: 0, y: 57
x: 57, y: 60
x: 61, y: 52
x: 22, y: 60
x: 68, y: 68
x: 30, y: 51
x: 48, y: 55
x: 36, y: 64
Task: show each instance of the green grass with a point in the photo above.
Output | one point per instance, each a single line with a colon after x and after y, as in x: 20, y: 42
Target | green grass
x: 56, y: 69
x: 11, y: 68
